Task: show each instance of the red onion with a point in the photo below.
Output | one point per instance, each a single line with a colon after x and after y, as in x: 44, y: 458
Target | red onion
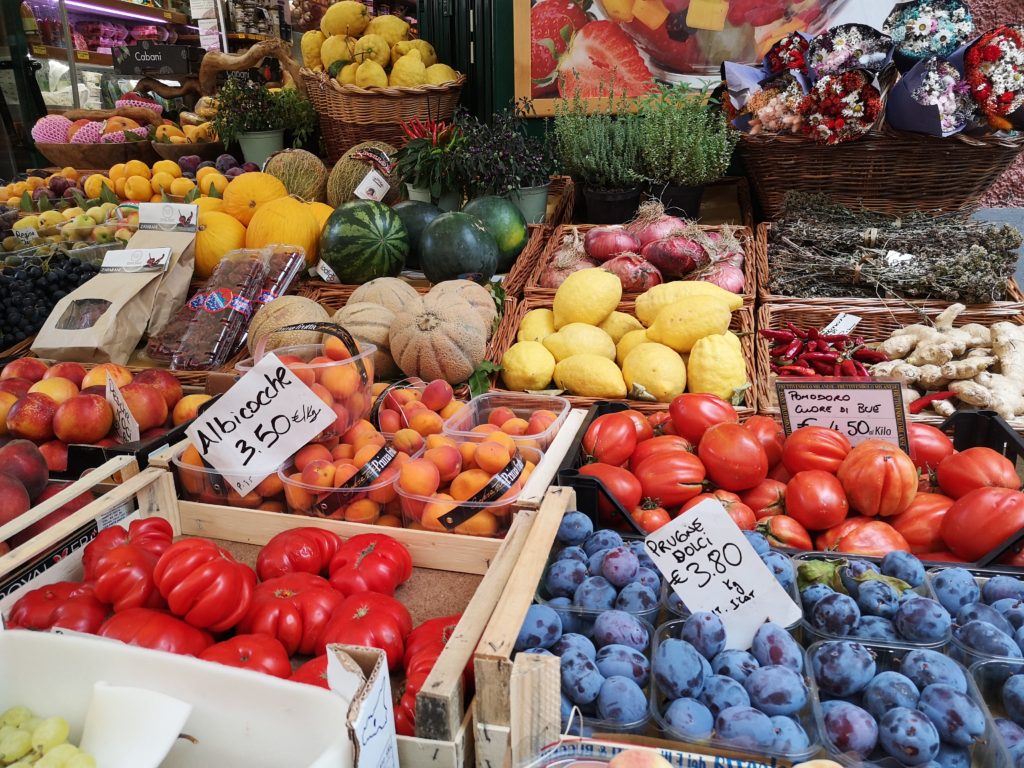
x: 732, y: 257
x: 726, y: 276
x: 603, y: 243
x: 634, y: 272
x: 658, y: 229
x: 675, y: 256
x: 554, y: 276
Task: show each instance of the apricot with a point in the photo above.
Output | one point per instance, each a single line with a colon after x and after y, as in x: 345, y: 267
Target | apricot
x: 60, y: 390
x: 342, y: 419
x: 492, y: 457
x: 515, y: 426
x: 365, y: 453
x: 426, y: 422
x: 483, y: 523
x: 503, y: 439
x: 270, y: 486
x: 319, y: 472
x: 362, y: 511
x: 407, y: 441
x: 468, y: 453
x: 331, y: 443
x: 485, y: 429
x: 437, y: 394
x: 358, y: 405
x: 322, y: 392
x: 539, y: 422
x: 390, y: 521
x: 378, y: 388
x: 342, y: 381
x: 390, y: 421
x: 311, y: 453
x: 303, y: 373
x: 359, y: 428
x: 271, y: 506
x: 436, y: 441
x: 298, y: 498
x: 451, y: 409
x: 434, y: 510
x: 343, y: 473
x: 396, y: 398
x: 321, y: 362
x: 191, y: 480
x: 419, y: 477
x: 447, y: 459
x: 500, y: 415
x: 343, y: 451
x: 411, y: 408
x: 335, y: 348
x: 468, y: 483
x: 375, y: 439
x: 251, y: 500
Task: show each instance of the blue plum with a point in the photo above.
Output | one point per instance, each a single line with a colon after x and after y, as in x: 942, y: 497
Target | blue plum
x: 735, y: 664
x: 581, y: 680
x: 721, y: 692
x: 573, y: 553
x: 1012, y: 610
x: 925, y: 667
x: 705, y: 631
x: 849, y: 728
x: 986, y: 613
x: 790, y: 736
x: 621, y: 701
x: 876, y: 628
x: 922, y: 621
x: 758, y: 542
x: 595, y: 594
x: 564, y: 577
x: 982, y: 637
x: 776, y: 690
x: 782, y: 567
x: 1002, y: 587
x: 639, y: 549
x: 888, y: 690
x: 876, y: 598
x: 596, y: 561
x: 904, y: 566
x: 649, y: 578
x: 623, y: 661
x: 575, y: 528
x: 836, y: 614
x: 539, y: 651
x: 774, y: 645
x: 908, y: 735
x: 677, y: 669
x: 955, y: 588
x: 951, y: 756
x: 958, y: 719
x: 541, y: 628
x: 603, y: 539
x: 636, y: 598
x: 1013, y: 698
x: 745, y: 727
x: 842, y: 667
x: 620, y: 628
x: 570, y: 619
x: 620, y: 566
x: 852, y: 574
x: 571, y: 640
x: 809, y: 596
x: 689, y: 719
x: 1013, y: 736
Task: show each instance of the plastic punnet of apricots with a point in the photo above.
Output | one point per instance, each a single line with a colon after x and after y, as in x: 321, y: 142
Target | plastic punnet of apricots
x: 531, y: 420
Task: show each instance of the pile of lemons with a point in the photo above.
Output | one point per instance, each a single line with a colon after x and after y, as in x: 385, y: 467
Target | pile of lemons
x: 371, y: 51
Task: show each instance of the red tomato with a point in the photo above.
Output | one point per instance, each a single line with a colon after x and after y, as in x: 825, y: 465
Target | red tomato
x: 784, y: 531
x: 259, y: 653
x: 671, y: 478
x: 405, y: 716
x: 879, y: 482
x: 610, y: 439
x: 981, y: 520
x: 644, y: 430
x: 943, y: 556
x: 661, y: 423
x: 313, y: 672
x: 657, y: 445
x: 816, y: 500
x: 299, y: 550
x: 65, y: 604
x: 828, y: 540
x: 740, y: 513
x: 650, y: 517
x: 963, y: 472
x: 1014, y: 557
x: 769, y: 434
x: 160, y: 631
x: 920, y: 523
x: 294, y: 608
x: 124, y: 578
x: 765, y: 499
x: 928, y: 446
x: 780, y: 473
x: 733, y: 457
x: 621, y: 485
x: 429, y: 636
x: 154, y: 534
x: 373, y: 620
x: 815, y: 448
x: 370, y: 562
x: 692, y: 414
x: 204, y: 584
x: 873, y: 538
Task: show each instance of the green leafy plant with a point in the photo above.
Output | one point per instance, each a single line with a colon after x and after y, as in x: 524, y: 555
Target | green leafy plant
x: 244, y: 106
x: 685, y: 140
x: 599, y: 141
x: 430, y: 157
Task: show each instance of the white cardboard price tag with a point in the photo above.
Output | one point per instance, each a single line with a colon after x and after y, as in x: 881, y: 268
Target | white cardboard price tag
x: 258, y: 424
x: 861, y: 410
x: 125, y: 425
x: 842, y: 324
x: 710, y: 564
x: 137, y: 260
x: 169, y: 217
x: 373, y: 187
x: 26, y: 235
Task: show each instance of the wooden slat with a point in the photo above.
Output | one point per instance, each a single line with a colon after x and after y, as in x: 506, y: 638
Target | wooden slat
x: 424, y: 753
x: 493, y: 745
x: 535, y: 705
x: 545, y: 473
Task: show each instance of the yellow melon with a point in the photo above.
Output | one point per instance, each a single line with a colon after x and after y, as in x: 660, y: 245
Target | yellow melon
x: 246, y: 193
x: 218, y: 234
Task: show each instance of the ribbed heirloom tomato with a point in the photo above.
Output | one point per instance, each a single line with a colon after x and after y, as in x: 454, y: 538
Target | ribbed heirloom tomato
x: 657, y: 445
x: 814, y: 448
x: 313, y: 672
x: 928, y: 446
x: 66, y: 604
x: 963, y: 472
x: 879, y: 481
x: 621, y: 484
x: 733, y: 457
x: 370, y: 562
x: 157, y: 630
x: 693, y: 413
x: 299, y: 550
x: 610, y: 439
x: 671, y: 477
x: 373, y: 620
x: 765, y: 499
x: 740, y: 513
x: 816, y: 500
x: 124, y: 578
x: 258, y: 653
x: 830, y: 538
x: 873, y: 538
x: 981, y: 520
x: 294, y: 608
x: 153, y: 534
x: 921, y: 523
x: 769, y: 434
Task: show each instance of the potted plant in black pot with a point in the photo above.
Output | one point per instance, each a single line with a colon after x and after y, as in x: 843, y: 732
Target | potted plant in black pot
x: 686, y: 143
x: 602, y: 151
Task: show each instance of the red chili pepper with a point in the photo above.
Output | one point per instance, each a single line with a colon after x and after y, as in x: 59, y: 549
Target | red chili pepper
x: 865, y: 355
x: 774, y: 335
x: 860, y: 369
x: 775, y: 367
x: 792, y: 350
x: 780, y: 349
x: 847, y: 368
x: 821, y: 367
x: 834, y: 339
x: 796, y: 370
x: 835, y: 369
x: 825, y: 357
x: 800, y: 334
x: 813, y: 334
x: 923, y: 402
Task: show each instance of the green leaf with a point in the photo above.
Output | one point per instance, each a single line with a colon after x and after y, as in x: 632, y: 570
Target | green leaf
x: 163, y: 196
x: 44, y: 204
x: 480, y: 381
x: 107, y: 195
x: 80, y: 200
x: 192, y: 195
x: 214, y: 192
x: 26, y: 202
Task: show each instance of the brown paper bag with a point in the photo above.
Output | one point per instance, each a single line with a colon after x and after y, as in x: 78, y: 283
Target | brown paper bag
x: 173, y: 289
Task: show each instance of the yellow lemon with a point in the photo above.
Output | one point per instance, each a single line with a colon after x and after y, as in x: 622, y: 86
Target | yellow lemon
x: 627, y: 343
x: 618, y: 324
x: 536, y: 325
x: 310, y: 48
x: 655, y: 299
x: 408, y: 71
x: 586, y: 296
x: 716, y: 366
x: 579, y: 338
x: 347, y: 76
x: 372, y: 48
x: 94, y: 183
x: 441, y: 73
x: 682, y: 324
x: 654, y: 372
x: 427, y: 52
x: 391, y: 28
x: 345, y: 18
x: 590, y: 376
x: 336, y: 48
x: 371, y: 75
x: 527, y: 365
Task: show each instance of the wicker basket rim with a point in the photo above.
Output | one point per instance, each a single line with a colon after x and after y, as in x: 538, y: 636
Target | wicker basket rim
x: 325, y: 82
x: 891, y: 136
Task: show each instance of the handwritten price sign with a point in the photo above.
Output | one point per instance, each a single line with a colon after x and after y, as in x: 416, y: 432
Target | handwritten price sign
x: 258, y: 424
x: 710, y: 564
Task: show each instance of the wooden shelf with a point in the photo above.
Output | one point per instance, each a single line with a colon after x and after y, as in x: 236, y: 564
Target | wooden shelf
x: 90, y: 58
x: 158, y: 14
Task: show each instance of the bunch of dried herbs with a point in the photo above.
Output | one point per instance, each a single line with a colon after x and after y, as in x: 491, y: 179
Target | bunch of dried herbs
x: 821, y: 249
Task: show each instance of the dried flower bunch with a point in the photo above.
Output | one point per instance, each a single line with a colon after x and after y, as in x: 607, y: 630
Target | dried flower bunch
x: 840, y: 107
x: 994, y: 65
x: 776, y: 108
x: 929, y: 28
x: 943, y: 87
x: 790, y: 54
x: 849, y: 46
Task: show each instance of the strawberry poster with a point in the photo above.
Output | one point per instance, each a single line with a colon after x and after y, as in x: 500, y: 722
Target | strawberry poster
x: 562, y: 45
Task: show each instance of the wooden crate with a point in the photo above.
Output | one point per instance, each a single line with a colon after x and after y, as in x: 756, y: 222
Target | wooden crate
x: 445, y: 734
x: 515, y: 281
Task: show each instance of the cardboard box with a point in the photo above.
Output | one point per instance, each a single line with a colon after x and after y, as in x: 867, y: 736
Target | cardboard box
x: 148, y: 57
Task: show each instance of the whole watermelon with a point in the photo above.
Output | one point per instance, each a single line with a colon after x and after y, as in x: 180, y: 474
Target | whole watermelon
x: 364, y: 240
x: 505, y: 222
x: 415, y: 214
x: 458, y: 246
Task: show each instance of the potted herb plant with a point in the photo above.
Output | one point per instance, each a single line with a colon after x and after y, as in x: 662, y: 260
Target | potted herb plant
x: 429, y: 162
x: 686, y: 143
x: 602, y: 152
x: 257, y: 118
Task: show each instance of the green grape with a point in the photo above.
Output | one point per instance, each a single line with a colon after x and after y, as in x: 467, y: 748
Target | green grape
x: 6, y: 729
x: 15, y: 746
x: 31, y: 724
x: 15, y: 716
x: 50, y: 733
x: 81, y: 760
x: 58, y: 756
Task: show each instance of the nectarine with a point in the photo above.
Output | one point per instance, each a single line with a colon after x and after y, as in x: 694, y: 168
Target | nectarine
x: 146, y: 404
x: 7, y: 399
x: 58, y: 389
x: 188, y: 408
x: 22, y: 460
x: 32, y: 417
x: 56, y: 454
x: 16, y: 386
x: 83, y: 419
x: 97, y: 377
x: 14, y: 500
x: 163, y: 382
x: 31, y: 368
x: 74, y: 372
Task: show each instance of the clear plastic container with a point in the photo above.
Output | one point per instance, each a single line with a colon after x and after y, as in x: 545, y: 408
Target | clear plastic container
x: 987, y: 751
x: 374, y: 502
x: 660, y: 702
x: 989, y: 677
x: 120, y: 225
x: 411, y: 382
x: 210, y: 486
x: 462, y: 424
x: 490, y: 518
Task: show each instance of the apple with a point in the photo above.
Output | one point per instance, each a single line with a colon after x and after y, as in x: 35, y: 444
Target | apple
x: 103, y: 234
x: 83, y: 419
x: 164, y: 382
x: 73, y: 372
x: 31, y: 368
x: 123, y: 234
x: 96, y: 214
x: 23, y: 461
x: 57, y: 388
x: 31, y: 417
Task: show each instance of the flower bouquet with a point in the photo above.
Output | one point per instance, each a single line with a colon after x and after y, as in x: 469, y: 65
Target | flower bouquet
x: 994, y: 68
x: 931, y: 98
x: 840, y: 107
x: 790, y: 54
x: 849, y: 46
x: 926, y: 29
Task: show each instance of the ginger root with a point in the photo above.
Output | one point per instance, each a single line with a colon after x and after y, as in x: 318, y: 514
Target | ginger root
x: 967, y: 368
x: 992, y: 391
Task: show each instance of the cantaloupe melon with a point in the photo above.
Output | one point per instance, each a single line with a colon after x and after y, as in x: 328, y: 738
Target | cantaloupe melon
x: 390, y: 292
x: 302, y: 173
x: 282, y: 311
x: 372, y: 323
x: 438, y: 336
x: 350, y: 170
x: 475, y: 295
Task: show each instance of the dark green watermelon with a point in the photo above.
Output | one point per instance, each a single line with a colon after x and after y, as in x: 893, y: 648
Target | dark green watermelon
x: 415, y: 215
x: 364, y: 240
x: 505, y: 222
x: 457, y: 245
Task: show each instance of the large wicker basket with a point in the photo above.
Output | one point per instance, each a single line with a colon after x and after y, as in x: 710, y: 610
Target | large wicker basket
x: 350, y: 114
x: 886, y: 171
x: 98, y: 155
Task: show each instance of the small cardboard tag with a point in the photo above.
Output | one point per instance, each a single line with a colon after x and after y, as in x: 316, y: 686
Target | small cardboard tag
x: 861, y: 410
x: 26, y: 235
x: 843, y: 324
x: 168, y: 217
x: 137, y: 260
x: 125, y: 425
x: 372, y: 187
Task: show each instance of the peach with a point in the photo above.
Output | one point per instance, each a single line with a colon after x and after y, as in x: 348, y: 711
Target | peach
x: 303, y: 373
x: 60, y: 390
x: 32, y: 417
x: 390, y: 421
x: 56, y: 454
x: 83, y: 419
x: 251, y: 500
x: 539, y: 422
x: 7, y: 399
x: 270, y: 486
x: 146, y: 404
x: 426, y: 422
x: 31, y: 368
x: 72, y: 371
x: 343, y: 451
x: 344, y: 472
x: 362, y: 511
x: 407, y: 440
x: 309, y: 454
x: 436, y: 441
x: 14, y: 500
x: 298, y: 498
x: 164, y: 382
x: 271, y: 506
x: 500, y: 415
x: 419, y: 477
x: 447, y: 459
x: 321, y: 391
x: 468, y: 483
x: 188, y: 408
x: 451, y: 409
x: 390, y: 521
x: 342, y: 381
x: 515, y: 426
x: 97, y: 377
x: 492, y: 457
x: 23, y: 461
x: 16, y: 386
x: 437, y: 394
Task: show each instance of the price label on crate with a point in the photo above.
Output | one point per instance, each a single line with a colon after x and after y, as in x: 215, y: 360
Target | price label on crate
x: 125, y: 426
x: 710, y: 564
x: 26, y: 235
x: 258, y: 424
x: 861, y: 410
